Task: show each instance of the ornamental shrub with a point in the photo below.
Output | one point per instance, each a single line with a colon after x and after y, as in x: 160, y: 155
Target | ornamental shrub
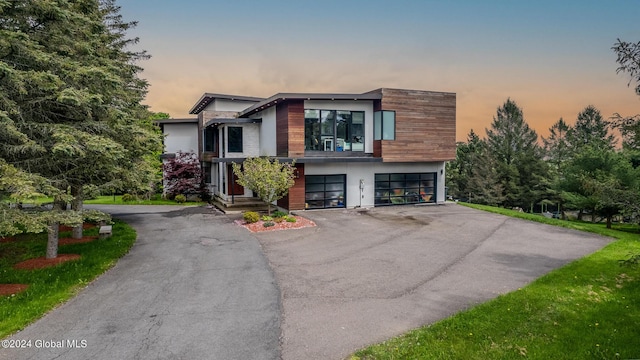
x: 268, y: 224
x: 279, y: 214
x: 251, y: 217
x: 180, y: 198
x: 128, y: 197
x: 267, y: 218
x: 291, y: 219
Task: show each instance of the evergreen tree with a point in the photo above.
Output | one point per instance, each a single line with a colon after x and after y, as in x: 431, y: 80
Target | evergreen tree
x: 520, y: 167
x: 484, y: 185
x: 460, y: 171
x: 556, y: 148
x: 590, y: 130
x: 70, y: 90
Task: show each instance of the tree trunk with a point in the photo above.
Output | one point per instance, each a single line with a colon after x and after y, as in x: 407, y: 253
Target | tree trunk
x: 593, y: 216
x: 52, y: 240
x: 52, y: 232
x: 609, y: 221
x: 77, y: 205
x: 580, y: 215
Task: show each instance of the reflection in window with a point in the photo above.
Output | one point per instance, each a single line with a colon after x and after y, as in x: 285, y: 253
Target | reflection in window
x: 334, y: 130
x: 384, y: 125
x: 325, y: 191
x: 395, y: 189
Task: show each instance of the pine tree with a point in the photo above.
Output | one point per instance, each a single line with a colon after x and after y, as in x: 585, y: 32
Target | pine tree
x: 70, y: 94
x: 590, y: 130
x: 520, y: 168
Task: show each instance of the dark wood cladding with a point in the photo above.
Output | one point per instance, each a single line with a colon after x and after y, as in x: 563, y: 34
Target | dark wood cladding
x: 425, y: 126
x: 290, y: 128
x: 377, y: 148
x: 295, y: 199
x: 282, y: 129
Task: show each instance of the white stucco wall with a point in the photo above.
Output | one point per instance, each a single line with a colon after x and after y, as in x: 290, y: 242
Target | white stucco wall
x: 352, y: 105
x: 180, y: 137
x: 367, y: 171
x: 267, y: 131
x: 250, y: 141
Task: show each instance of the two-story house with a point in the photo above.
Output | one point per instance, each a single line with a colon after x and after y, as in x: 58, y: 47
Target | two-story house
x: 383, y: 147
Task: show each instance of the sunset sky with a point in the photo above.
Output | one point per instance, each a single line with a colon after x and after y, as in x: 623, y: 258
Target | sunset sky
x: 552, y: 57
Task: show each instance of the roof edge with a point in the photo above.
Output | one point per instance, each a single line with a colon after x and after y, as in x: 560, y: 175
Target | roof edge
x: 207, y: 98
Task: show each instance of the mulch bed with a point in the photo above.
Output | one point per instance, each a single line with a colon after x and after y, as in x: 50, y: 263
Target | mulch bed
x: 85, y: 226
x: 7, y: 239
x: 69, y: 241
x: 12, y: 289
x: 284, y: 225
x: 43, y: 262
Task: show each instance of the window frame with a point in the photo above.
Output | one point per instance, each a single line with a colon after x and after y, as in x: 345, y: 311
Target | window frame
x: 379, y: 122
x: 322, y: 139
x: 233, y: 144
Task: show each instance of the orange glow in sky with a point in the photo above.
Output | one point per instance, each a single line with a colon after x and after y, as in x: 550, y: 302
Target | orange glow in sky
x: 553, y: 58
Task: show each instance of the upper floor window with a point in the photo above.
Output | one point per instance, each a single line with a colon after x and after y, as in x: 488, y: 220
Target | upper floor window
x: 333, y: 130
x: 384, y: 125
x: 234, y: 137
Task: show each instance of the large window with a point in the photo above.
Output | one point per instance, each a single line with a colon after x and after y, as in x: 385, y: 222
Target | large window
x: 384, y: 125
x: 209, y: 139
x: 396, y: 189
x: 325, y: 191
x: 235, y: 139
x: 333, y: 130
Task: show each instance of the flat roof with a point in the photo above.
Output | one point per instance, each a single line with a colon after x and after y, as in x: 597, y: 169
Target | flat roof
x: 279, y: 97
x: 207, y: 98
x: 176, y: 121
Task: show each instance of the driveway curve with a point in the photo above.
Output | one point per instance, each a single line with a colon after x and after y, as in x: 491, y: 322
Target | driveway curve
x: 193, y: 286
x: 362, y: 277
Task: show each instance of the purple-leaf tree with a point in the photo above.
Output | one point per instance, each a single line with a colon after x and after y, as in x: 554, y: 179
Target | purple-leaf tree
x: 183, y: 175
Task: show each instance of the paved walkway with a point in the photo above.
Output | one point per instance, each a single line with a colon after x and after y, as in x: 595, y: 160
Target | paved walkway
x: 361, y: 278
x: 193, y: 286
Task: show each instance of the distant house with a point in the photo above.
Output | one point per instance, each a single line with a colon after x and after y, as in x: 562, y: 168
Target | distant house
x: 383, y: 147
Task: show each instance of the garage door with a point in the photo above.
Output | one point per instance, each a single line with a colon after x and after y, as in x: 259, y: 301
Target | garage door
x: 398, y: 189
x: 325, y: 191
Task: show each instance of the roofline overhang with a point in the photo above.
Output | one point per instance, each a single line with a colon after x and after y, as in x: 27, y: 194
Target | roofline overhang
x: 281, y: 97
x: 207, y: 98
x: 307, y: 160
x: 175, y: 121
x: 217, y: 121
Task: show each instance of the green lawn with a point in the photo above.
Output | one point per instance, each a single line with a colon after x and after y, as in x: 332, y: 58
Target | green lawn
x: 589, y: 309
x: 109, y: 200
x: 117, y: 200
x: 50, y: 287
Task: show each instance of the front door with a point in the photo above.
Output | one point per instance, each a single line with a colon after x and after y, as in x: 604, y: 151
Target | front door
x: 234, y: 187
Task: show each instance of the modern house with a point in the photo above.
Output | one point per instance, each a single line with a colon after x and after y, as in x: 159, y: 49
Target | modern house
x: 383, y: 147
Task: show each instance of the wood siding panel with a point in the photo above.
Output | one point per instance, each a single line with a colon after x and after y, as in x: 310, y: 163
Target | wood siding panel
x: 425, y: 126
x: 282, y: 129
x: 296, y: 129
x: 296, y: 198
x: 290, y: 128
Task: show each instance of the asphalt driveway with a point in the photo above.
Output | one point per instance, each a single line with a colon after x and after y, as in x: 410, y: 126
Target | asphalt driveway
x: 194, y: 286
x: 363, y: 277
